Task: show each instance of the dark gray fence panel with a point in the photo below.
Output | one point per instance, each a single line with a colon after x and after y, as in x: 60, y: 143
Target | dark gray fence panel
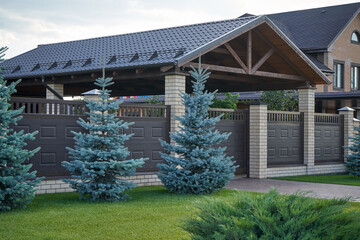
x: 285, y: 138
x: 236, y: 122
x: 56, y: 119
x: 54, y: 135
x: 329, y: 138
x: 145, y: 141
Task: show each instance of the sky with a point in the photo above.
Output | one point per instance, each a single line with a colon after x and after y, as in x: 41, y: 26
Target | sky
x: 25, y: 24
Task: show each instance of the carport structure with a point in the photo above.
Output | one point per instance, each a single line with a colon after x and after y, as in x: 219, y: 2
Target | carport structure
x: 243, y: 54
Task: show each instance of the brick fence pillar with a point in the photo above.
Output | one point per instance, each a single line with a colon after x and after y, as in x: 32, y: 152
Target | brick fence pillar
x: 348, y: 114
x: 258, y: 140
x: 307, y: 106
x: 175, y: 83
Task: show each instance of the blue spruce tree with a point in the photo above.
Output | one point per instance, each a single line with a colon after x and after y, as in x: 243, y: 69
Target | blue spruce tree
x: 99, y: 155
x: 353, y: 160
x: 195, y: 163
x: 17, y: 184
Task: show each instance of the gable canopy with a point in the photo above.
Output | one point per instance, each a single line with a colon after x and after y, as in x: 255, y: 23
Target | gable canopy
x: 244, y: 54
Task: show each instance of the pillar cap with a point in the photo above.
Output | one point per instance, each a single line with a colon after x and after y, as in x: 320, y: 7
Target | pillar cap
x: 346, y: 108
x: 92, y: 92
x: 175, y: 73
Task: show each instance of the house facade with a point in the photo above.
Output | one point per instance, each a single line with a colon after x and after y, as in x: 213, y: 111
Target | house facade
x: 329, y: 36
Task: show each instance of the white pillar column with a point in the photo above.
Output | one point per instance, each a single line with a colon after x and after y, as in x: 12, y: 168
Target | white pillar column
x: 348, y: 115
x: 173, y: 85
x: 258, y: 140
x: 307, y: 106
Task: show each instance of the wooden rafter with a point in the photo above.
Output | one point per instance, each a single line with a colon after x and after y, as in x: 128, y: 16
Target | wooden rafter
x: 262, y: 60
x: 221, y: 51
x: 249, y: 51
x: 231, y: 78
x: 165, y: 68
x: 236, y: 57
x: 242, y: 71
x: 292, y: 66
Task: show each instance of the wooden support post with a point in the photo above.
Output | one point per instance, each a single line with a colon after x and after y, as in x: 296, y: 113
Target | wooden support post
x: 249, y: 52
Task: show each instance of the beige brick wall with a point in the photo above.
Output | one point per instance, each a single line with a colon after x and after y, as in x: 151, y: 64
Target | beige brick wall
x: 173, y: 85
x: 303, y: 170
x: 348, y: 128
x: 307, y: 106
x: 58, y: 186
x: 345, y: 51
x: 258, y: 141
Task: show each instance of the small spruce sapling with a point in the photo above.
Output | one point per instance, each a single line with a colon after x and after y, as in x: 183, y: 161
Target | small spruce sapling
x: 99, y: 155
x: 17, y: 184
x: 195, y: 163
x: 353, y: 160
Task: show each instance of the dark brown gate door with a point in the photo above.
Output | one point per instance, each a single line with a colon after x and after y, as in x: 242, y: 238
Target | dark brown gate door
x: 234, y: 121
x: 54, y: 135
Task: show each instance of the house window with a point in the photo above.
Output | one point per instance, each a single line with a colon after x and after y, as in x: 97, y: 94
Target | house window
x: 338, y: 75
x: 354, y: 77
x: 355, y: 37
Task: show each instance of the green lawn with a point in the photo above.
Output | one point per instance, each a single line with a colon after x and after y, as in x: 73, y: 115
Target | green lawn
x: 152, y: 213
x: 342, y: 179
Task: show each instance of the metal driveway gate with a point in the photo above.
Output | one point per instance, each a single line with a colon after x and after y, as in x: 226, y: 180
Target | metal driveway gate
x: 236, y: 122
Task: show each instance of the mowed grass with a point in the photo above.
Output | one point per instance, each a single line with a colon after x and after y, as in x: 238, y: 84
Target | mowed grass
x: 342, y: 179
x: 151, y: 213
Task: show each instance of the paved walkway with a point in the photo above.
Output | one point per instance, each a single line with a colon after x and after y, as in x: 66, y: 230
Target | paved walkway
x: 319, y: 190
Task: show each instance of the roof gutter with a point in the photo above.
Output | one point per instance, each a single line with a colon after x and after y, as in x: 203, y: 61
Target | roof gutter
x: 89, y: 71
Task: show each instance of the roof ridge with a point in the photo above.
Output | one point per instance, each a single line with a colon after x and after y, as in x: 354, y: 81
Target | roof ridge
x: 316, y: 8
x: 153, y: 30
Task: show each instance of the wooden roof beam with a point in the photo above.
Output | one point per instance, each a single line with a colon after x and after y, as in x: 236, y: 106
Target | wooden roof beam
x: 221, y: 51
x: 249, y: 52
x: 292, y: 66
x: 166, y: 68
x: 236, y: 57
x: 232, y: 78
x: 262, y: 60
x: 242, y: 71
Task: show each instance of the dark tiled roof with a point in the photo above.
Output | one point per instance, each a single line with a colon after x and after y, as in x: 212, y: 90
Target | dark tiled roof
x: 331, y: 95
x: 315, y: 29
x: 157, y: 47
x: 320, y: 65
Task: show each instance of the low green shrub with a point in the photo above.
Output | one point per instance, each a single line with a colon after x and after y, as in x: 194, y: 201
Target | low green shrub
x: 273, y: 216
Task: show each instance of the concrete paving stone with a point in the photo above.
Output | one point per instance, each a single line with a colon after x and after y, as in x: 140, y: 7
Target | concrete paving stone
x: 318, y: 190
